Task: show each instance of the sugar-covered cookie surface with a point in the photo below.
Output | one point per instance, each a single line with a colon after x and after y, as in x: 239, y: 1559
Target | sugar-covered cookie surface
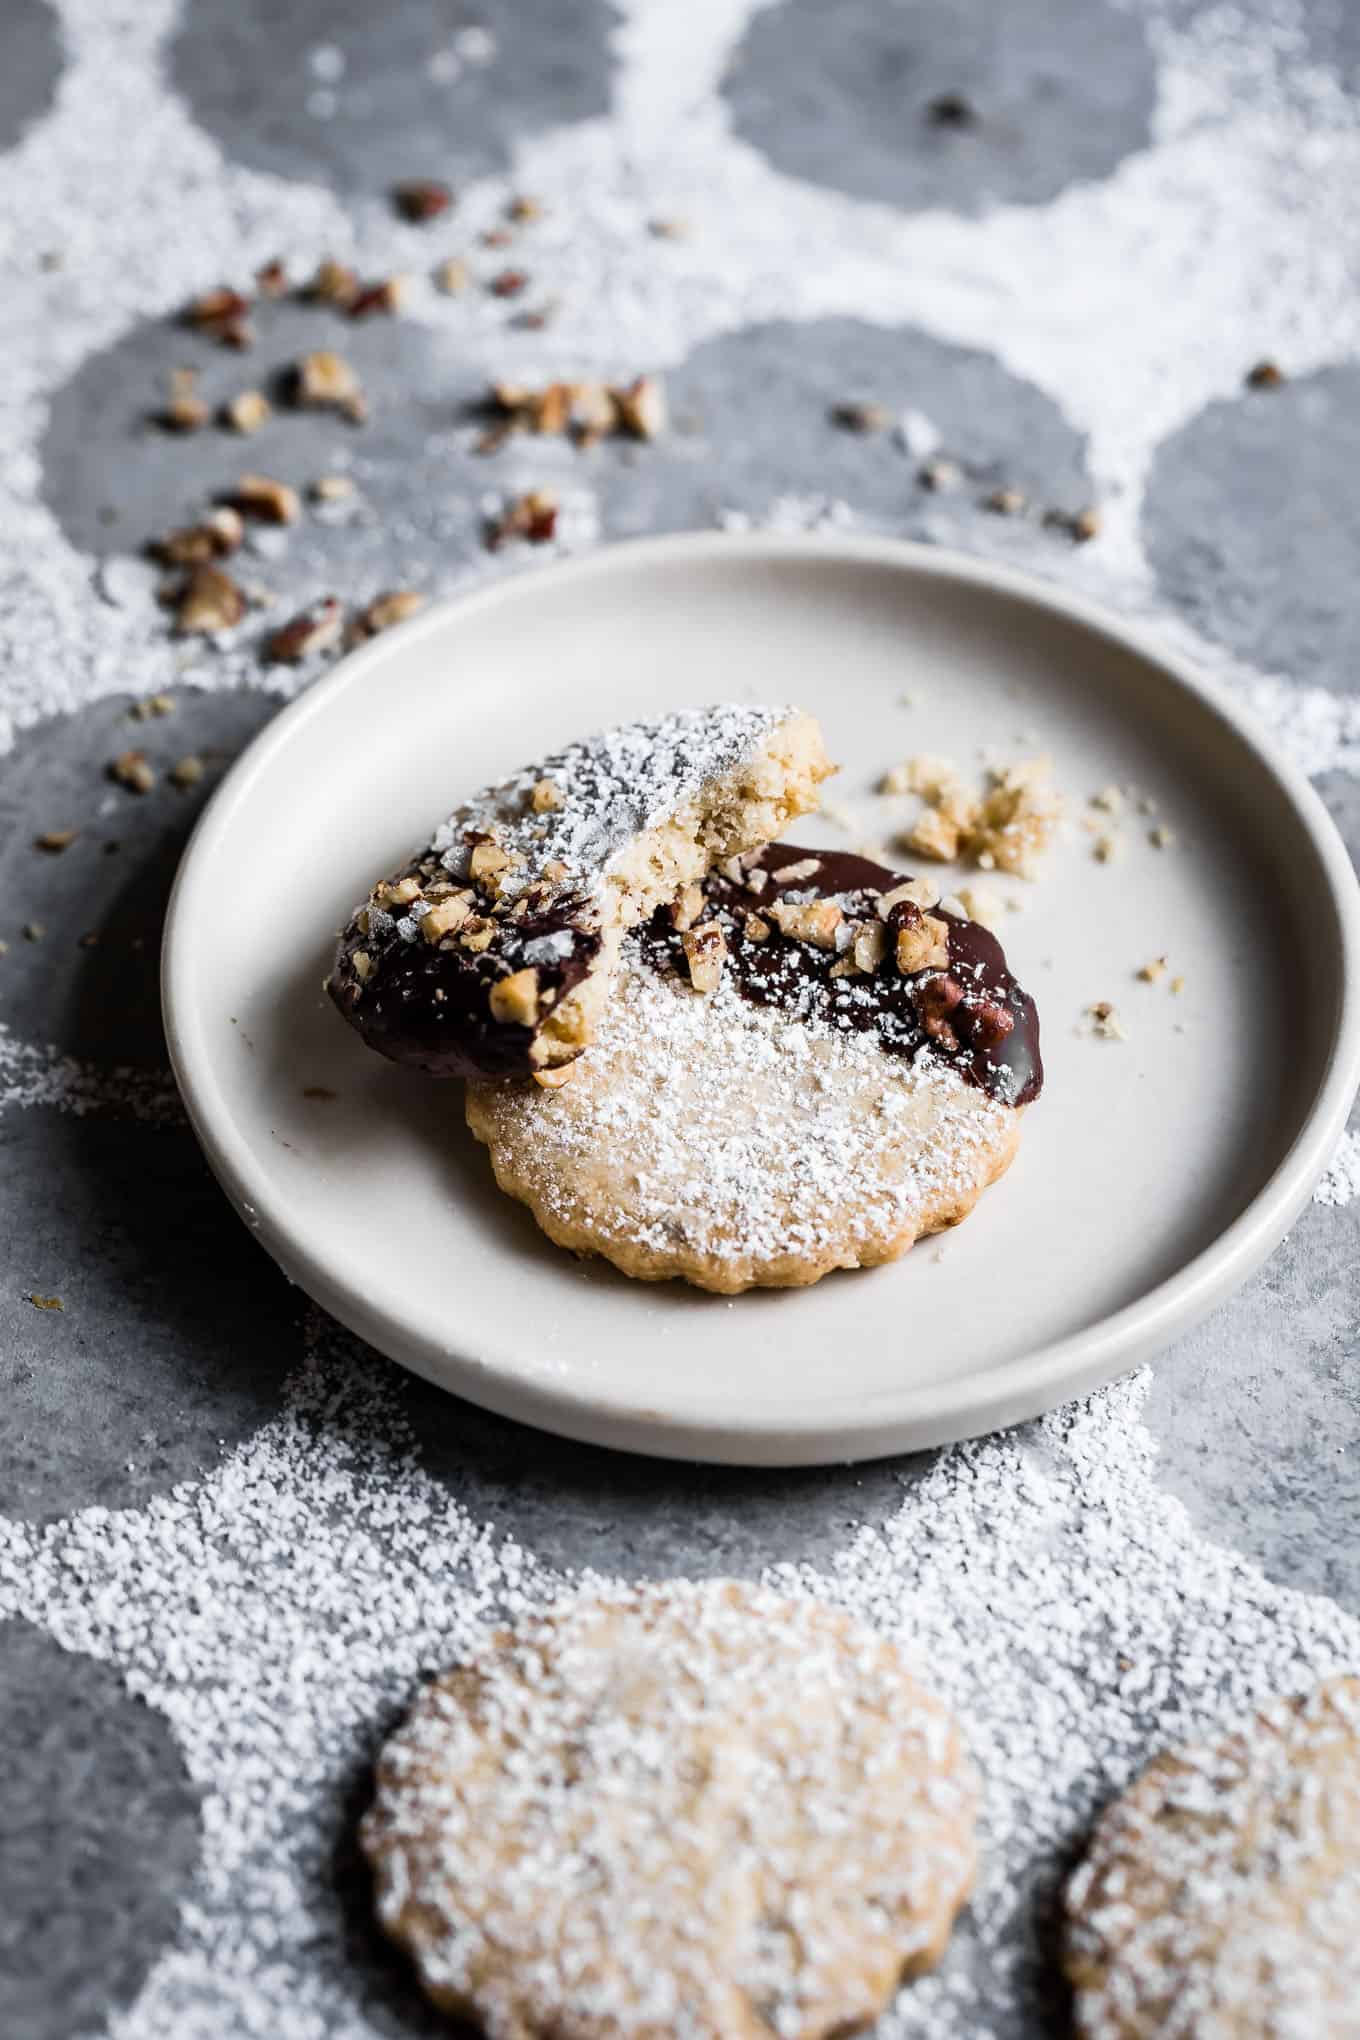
x: 686, y: 1812
x: 809, y: 1072
x: 492, y: 949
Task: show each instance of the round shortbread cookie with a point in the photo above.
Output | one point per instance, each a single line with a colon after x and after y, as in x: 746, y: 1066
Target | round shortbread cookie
x: 689, y: 1812
x: 1220, y: 1896
x: 739, y: 1147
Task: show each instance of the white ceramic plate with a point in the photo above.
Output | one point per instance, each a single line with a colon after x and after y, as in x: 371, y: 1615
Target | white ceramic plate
x: 1154, y: 1174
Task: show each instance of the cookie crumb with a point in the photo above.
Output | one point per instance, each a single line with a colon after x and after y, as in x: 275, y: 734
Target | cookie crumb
x: 1105, y: 1022
x: 186, y: 772
x: 55, y: 840
x: 45, y: 1302
x: 452, y: 277
x: 1161, y: 838
x: 247, y: 411
x: 1151, y: 972
x: 316, y: 629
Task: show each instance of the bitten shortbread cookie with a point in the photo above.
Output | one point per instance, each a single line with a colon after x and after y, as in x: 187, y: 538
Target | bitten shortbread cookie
x: 491, y: 951
x: 1220, y: 1897
x: 806, y: 1064
x: 688, y: 1812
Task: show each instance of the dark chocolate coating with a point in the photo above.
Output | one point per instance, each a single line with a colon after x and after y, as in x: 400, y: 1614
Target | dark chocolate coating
x: 428, y: 1005
x: 796, y: 976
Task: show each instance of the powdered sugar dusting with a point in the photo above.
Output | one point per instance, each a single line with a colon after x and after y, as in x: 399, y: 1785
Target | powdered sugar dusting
x: 1341, y: 1182
x: 607, y: 789
x: 713, y: 1131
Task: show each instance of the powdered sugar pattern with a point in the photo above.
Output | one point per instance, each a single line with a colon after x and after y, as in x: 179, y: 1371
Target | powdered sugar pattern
x: 1341, y: 1184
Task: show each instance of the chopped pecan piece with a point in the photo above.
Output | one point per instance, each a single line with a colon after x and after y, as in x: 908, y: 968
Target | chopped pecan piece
x: 218, y: 535
x: 387, y: 295
x: 184, y: 412
x: 814, y: 921
x: 209, y: 601
x: 385, y: 610
x: 686, y: 907
x: 312, y: 630
x: 936, y: 999
x: 989, y: 1022
x: 921, y: 940
x: 271, y: 279
x: 452, y: 277
x: 642, y: 407
x: 186, y: 773
x: 870, y: 945
x: 546, y: 796
x: 247, y: 411
x: 705, y: 952
x: 419, y: 199
x: 55, y: 840
x: 130, y: 769
x: 272, y: 502
x: 514, y: 999
x: 446, y: 917
x: 508, y: 282
x: 333, y: 284
x: 858, y: 416
x: 324, y: 379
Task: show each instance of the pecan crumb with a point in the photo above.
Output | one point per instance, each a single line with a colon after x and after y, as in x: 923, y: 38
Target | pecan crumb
x: 446, y: 917
x: 1161, y: 838
x: 186, y: 772
x: 1265, y: 375
x: 1176, y: 987
x: 642, y: 407
x: 508, y: 282
x: 1153, y: 970
x: 247, y: 411
x: 55, y: 840
x: 865, y: 417
x: 219, y: 535
x: 532, y: 517
x: 363, y: 965
x: 553, y: 1080
x: 130, y: 769
x: 388, y: 295
x: 1110, y: 799
x: 316, y: 629
x: 814, y: 921
x: 980, y: 905
x: 756, y: 928
x: 922, y: 939
x: 271, y: 279
x: 209, y: 601
x: 419, y: 199
x: 514, y: 999
x: 686, y: 907
x: 155, y: 704
x: 332, y: 489
x: 705, y: 952
x: 333, y: 284
x: 324, y: 379
x: 184, y: 412
x: 452, y: 277
x: 1006, y: 502
x: 272, y: 502
x: 952, y: 109
x: 940, y: 475
x: 523, y: 208
x: 794, y: 874
x: 393, y: 606
x: 46, y: 1302
x: 1106, y: 848
x: 547, y: 795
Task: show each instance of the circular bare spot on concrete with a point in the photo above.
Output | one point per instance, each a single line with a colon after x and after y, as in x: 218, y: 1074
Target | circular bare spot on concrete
x: 361, y: 96
x: 31, y: 67
x: 960, y: 104
x: 99, y: 1839
x: 1252, y: 526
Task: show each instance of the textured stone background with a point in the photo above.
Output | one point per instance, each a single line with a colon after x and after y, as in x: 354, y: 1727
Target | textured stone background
x: 176, y: 1334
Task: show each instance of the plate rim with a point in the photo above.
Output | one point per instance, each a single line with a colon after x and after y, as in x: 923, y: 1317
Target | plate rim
x: 810, y: 1431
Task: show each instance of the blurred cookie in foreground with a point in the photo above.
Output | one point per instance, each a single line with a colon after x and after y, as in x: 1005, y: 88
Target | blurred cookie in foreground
x: 693, y: 1809
x: 1220, y: 1896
